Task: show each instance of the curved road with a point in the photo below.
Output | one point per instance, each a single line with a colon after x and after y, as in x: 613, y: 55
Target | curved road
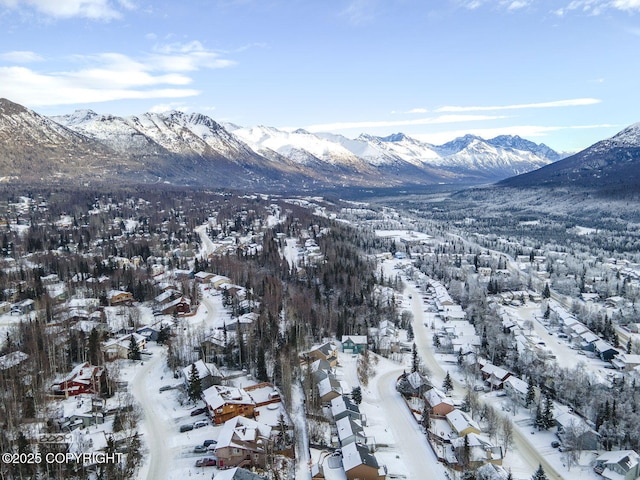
x: 423, y: 341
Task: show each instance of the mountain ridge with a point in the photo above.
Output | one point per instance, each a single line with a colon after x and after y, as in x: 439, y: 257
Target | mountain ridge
x: 192, y: 148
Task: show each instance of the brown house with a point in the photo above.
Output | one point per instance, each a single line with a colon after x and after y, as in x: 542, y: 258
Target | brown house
x: 360, y: 464
x: 437, y: 403
x: 225, y: 403
x: 327, y: 351
x: 118, y: 297
x: 243, y: 443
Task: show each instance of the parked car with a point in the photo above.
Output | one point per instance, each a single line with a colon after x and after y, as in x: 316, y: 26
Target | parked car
x: 164, y: 388
x: 200, y: 424
x: 555, y: 444
x: 208, y: 443
x: 200, y: 449
x: 186, y: 428
x: 478, y: 388
x: 198, y: 411
x: 206, y: 462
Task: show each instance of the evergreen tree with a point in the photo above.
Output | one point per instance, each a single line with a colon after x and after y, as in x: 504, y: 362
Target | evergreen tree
x: 539, y: 475
x: 547, y: 413
x: 538, y: 422
x: 425, y: 420
x: 261, y: 366
x: 415, y: 360
x: 546, y: 293
x: 356, y: 395
x: 447, y: 384
x: 531, y: 394
x: 134, y: 349
x: 194, y: 389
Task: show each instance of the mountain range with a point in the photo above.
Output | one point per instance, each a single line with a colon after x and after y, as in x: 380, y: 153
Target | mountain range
x: 611, y: 165
x: 192, y: 149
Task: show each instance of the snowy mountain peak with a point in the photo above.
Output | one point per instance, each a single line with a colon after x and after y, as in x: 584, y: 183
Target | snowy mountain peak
x: 394, y: 137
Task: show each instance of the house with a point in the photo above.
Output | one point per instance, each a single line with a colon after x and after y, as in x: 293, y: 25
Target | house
x: 119, y: 297
x: 180, y: 305
x: 582, y: 435
x: 604, y: 350
x: 349, y: 431
x: 150, y: 333
x: 328, y: 389
x: 413, y: 384
x: 119, y: 348
x: 354, y: 343
x: 516, y: 389
x: 203, y: 277
x: 238, y: 473
x: 327, y: 351
x: 618, y: 465
x: 438, y: 403
x: 23, y: 307
x: 329, y: 467
x: 13, y: 359
x: 243, y: 442
x: 166, y: 296
x: 5, y: 307
x: 461, y: 423
x: 84, y: 378
x: 320, y: 369
x: 342, y: 407
x: 361, y: 464
x: 225, y: 403
x: 494, y: 376
x: 481, y: 450
x: 218, y: 280
x: 626, y: 362
x: 207, y: 373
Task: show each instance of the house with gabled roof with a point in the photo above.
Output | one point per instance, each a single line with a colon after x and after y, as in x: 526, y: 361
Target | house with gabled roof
x: 361, y: 464
x: 604, y: 350
x: 618, y: 465
x: 328, y: 389
x: 481, y: 450
x: 225, y: 403
x: 84, y: 378
x: 208, y: 374
x: 243, y: 442
x: 349, y: 431
x: 438, y: 403
x: 343, y: 406
x: 327, y: 351
x: 119, y: 297
x: 354, y: 343
x: 494, y: 376
x: 238, y: 473
x: 413, y: 384
x: 516, y: 389
x: 461, y: 423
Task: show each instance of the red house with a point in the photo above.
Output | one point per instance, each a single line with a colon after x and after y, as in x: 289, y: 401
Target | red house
x: 84, y: 378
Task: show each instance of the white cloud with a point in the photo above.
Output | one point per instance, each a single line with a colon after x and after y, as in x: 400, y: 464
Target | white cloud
x: 168, y: 107
x: 185, y: 57
x: 596, y: 7
x: 93, y: 9
x: 20, y: 56
x: 34, y: 89
x: 112, y: 76
x: 399, y: 123
x: 560, y: 103
x: 360, y: 12
x: 626, y: 4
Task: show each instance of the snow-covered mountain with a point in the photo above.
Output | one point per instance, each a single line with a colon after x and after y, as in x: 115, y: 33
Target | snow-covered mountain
x: 611, y: 165
x: 191, y: 148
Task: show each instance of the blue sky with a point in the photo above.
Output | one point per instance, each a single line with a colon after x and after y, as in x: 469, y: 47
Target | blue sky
x: 562, y: 72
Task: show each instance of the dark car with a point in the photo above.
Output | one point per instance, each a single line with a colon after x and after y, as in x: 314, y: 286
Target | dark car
x: 207, y: 443
x: 206, y: 462
x: 186, y: 428
x: 555, y: 444
x: 198, y: 411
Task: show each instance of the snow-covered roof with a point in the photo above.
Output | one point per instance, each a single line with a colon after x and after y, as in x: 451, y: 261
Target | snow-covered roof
x: 341, y: 404
x: 12, y: 359
x: 517, y: 384
x: 238, y: 473
x: 460, y: 421
x: 203, y: 369
x: 347, y: 427
x: 219, y: 395
x: 355, y: 454
x: 436, y: 397
x: 356, y: 339
x: 237, y: 431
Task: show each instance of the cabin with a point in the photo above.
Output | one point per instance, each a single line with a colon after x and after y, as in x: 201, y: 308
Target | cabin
x: 354, y: 344
x: 243, y: 442
x: 361, y: 464
x: 84, y: 378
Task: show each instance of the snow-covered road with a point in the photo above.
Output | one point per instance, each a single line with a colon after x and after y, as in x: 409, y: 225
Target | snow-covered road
x: 411, y: 443
x: 155, y: 426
